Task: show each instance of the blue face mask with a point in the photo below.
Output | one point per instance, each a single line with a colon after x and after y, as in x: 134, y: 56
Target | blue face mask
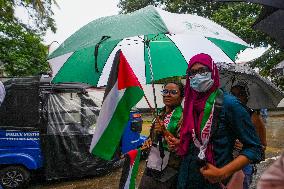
x: 201, y: 82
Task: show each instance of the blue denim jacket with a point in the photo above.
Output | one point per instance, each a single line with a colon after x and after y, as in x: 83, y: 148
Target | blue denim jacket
x: 235, y: 123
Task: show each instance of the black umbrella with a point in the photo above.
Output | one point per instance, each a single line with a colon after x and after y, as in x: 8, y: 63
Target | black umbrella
x: 271, y: 18
x: 263, y: 93
x: 271, y: 21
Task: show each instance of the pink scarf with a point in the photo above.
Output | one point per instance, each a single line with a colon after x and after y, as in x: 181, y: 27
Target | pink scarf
x: 194, y: 106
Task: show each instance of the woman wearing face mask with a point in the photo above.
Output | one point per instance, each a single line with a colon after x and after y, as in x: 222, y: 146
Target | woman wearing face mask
x: 170, y: 118
x: 213, y: 119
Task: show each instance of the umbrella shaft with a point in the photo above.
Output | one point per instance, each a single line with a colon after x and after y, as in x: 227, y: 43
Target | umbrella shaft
x: 152, y: 76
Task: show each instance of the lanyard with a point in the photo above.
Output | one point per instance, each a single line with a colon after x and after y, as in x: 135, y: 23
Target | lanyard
x: 205, y: 126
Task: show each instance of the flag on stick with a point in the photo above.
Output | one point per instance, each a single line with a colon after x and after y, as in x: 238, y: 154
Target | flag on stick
x: 123, y: 91
x: 130, y: 169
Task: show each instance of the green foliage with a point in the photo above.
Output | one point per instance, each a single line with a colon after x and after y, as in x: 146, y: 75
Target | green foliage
x: 21, y: 48
x: 237, y: 17
x: 127, y: 6
x: 200, y: 7
x: 7, y: 10
x: 267, y: 63
x: 39, y: 12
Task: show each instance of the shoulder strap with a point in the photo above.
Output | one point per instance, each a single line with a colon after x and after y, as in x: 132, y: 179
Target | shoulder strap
x: 217, y: 110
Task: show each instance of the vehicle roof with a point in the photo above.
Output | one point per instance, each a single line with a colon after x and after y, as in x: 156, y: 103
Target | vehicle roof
x: 44, y: 83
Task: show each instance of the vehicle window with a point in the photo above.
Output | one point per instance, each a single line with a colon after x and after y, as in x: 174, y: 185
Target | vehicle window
x: 72, y: 113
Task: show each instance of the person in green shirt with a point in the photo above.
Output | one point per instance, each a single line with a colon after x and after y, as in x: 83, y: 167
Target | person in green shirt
x: 162, y: 164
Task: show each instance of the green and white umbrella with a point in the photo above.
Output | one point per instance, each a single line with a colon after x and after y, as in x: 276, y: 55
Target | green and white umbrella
x: 149, y: 35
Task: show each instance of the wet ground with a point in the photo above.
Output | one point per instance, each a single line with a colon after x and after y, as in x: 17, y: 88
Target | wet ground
x: 275, y: 135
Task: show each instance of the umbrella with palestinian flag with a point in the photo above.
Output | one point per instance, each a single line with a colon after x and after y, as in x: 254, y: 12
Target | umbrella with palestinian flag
x: 123, y: 91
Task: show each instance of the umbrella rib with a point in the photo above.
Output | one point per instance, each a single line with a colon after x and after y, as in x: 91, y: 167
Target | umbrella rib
x: 176, y: 47
x: 63, y: 65
x: 107, y: 60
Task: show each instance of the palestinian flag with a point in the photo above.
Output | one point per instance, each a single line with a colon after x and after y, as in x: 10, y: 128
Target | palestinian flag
x: 130, y: 169
x: 123, y: 91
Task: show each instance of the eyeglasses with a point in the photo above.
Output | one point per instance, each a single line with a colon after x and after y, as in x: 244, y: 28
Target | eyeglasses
x: 202, y: 70
x: 167, y: 91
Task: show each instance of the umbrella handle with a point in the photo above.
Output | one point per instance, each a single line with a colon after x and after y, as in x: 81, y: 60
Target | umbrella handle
x: 104, y: 38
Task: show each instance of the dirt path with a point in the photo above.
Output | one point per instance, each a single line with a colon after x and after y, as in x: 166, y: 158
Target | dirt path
x: 109, y: 181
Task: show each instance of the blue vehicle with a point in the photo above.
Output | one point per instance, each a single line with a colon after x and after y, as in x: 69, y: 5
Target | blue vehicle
x: 20, y: 153
x: 131, y: 137
x: 47, y: 129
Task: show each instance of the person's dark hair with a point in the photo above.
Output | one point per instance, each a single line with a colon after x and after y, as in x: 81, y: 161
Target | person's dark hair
x: 244, y: 91
x: 179, y: 84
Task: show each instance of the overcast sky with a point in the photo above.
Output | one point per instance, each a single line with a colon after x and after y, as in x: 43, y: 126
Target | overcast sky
x: 72, y: 15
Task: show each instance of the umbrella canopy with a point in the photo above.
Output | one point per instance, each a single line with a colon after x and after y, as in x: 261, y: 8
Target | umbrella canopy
x: 263, y: 93
x: 273, y: 25
x: 74, y: 60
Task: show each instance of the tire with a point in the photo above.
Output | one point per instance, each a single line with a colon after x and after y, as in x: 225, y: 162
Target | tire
x: 14, y: 177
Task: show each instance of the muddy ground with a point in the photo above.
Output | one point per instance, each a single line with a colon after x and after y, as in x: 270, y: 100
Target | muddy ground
x: 275, y: 135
